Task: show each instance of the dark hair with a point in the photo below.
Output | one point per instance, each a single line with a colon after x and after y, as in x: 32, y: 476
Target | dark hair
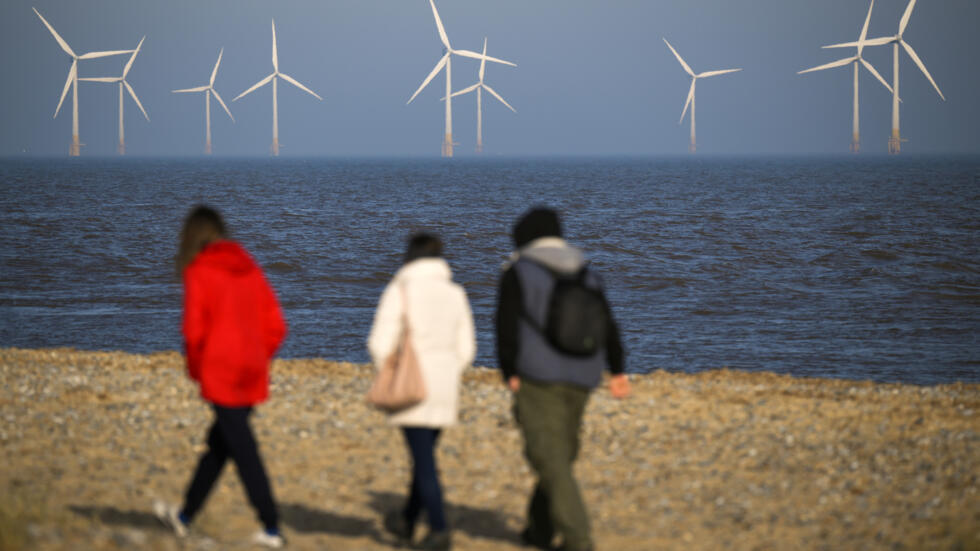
x: 423, y: 245
x: 202, y: 226
x: 535, y: 223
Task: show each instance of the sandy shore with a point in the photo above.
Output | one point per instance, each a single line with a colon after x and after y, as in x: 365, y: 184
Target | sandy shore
x: 718, y: 460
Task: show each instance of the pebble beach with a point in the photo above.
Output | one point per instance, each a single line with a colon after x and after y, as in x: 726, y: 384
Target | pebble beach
x: 716, y: 460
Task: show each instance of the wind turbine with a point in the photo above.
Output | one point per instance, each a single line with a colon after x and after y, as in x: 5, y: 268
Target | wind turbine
x: 446, y: 61
x: 690, y: 95
x: 122, y: 82
x: 75, y: 147
x: 479, y: 87
x: 208, y: 89
x: 895, y: 141
x: 274, y: 77
x: 855, y: 60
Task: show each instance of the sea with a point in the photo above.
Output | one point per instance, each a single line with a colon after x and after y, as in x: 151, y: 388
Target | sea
x: 863, y: 268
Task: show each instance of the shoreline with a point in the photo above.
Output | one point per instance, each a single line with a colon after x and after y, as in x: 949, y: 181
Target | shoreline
x: 715, y: 460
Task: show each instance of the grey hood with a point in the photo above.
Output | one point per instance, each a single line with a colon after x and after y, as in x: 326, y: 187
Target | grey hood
x: 552, y: 252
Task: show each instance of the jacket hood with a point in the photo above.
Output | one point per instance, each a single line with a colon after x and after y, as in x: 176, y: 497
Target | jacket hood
x: 227, y: 256
x: 552, y: 252
x: 424, y: 268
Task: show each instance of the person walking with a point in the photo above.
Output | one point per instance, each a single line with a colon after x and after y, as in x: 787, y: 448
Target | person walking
x: 232, y: 326
x: 555, y: 335
x: 437, y: 312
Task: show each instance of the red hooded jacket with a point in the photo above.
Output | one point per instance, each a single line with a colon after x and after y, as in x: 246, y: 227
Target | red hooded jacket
x: 232, y: 325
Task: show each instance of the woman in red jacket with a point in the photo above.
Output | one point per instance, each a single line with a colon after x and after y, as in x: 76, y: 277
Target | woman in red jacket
x: 232, y: 326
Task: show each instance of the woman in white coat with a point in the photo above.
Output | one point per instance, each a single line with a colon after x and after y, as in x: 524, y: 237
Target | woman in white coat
x: 441, y: 328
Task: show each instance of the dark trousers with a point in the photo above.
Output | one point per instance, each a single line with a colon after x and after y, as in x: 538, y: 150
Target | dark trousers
x: 425, y: 492
x: 231, y: 436
x: 550, y: 417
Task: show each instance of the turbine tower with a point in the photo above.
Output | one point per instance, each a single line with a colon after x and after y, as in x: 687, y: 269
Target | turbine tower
x: 895, y: 141
x: 479, y: 87
x: 75, y: 148
x: 446, y: 61
x: 122, y: 82
x: 208, y: 89
x: 274, y: 77
x: 690, y: 95
x: 856, y: 60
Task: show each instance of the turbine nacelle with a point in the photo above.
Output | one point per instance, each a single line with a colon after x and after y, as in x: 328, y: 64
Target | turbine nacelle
x: 445, y: 59
x: 896, y: 39
x: 275, y: 72
x: 694, y: 77
x: 210, y: 86
x: 122, y: 79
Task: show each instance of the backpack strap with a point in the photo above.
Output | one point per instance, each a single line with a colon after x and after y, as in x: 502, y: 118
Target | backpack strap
x: 556, y: 275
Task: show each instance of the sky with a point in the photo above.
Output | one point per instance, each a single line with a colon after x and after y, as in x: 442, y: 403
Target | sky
x: 592, y: 77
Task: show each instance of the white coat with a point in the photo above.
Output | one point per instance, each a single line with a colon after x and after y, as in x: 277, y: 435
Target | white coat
x: 441, y: 329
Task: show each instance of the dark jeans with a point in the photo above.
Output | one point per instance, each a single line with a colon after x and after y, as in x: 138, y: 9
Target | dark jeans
x: 230, y: 435
x: 425, y: 492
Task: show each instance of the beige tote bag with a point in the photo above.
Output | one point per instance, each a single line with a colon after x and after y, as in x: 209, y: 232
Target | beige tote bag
x: 399, y: 384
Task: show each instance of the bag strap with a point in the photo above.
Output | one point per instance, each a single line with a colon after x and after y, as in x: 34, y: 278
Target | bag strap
x: 404, y: 293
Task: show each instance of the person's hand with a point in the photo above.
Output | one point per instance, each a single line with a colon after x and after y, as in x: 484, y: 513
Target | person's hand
x: 619, y: 386
x: 514, y: 383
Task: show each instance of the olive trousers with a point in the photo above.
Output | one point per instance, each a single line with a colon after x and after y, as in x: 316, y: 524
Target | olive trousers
x: 550, y: 417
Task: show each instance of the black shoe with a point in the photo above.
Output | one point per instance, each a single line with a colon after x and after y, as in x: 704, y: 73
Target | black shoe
x: 528, y: 541
x: 395, y: 524
x: 435, y: 541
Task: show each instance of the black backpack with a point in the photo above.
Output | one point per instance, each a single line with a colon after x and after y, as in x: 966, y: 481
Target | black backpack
x: 577, y: 317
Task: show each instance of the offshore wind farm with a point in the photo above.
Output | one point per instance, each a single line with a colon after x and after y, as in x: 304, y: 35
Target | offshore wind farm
x: 567, y: 101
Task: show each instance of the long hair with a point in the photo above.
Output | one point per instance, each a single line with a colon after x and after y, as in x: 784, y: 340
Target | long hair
x: 423, y: 245
x: 202, y: 226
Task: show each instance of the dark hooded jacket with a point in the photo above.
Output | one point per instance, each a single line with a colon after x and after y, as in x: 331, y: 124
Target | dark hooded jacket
x: 521, y: 350
x: 232, y: 325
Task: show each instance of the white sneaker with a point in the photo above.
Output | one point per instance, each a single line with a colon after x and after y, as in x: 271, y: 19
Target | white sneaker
x: 170, y: 517
x: 272, y: 541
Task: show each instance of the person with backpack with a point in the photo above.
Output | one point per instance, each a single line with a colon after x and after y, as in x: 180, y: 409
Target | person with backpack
x: 423, y: 305
x: 555, y: 335
x: 232, y: 326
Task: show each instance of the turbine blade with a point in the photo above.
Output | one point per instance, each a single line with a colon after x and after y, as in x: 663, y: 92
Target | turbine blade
x: 296, y: 83
x: 136, y: 99
x: 905, y: 18
x: 690, y: 97
x: 466, y: 90
x: 222, y: 102
x: 71, y: 76
x: 496, y: 95
x: 198, y: 89
x: 442, y: 30
x: 483, y: 62
x: 871, y: 68
x: 922, y: 67
x: 102, y: 79
x: 132, y: 58
x: 61, y: 41
x: 258, y: 84
x: 474, y: 55
x: 275, y: 52
x: 679, y: 58
x: 214, y: 72
x: 435, y: 71
x: 872, y: 42
x: 830, y: 65
x: 93, y: 55
x: 864, y: 29
x: 715, y: 73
